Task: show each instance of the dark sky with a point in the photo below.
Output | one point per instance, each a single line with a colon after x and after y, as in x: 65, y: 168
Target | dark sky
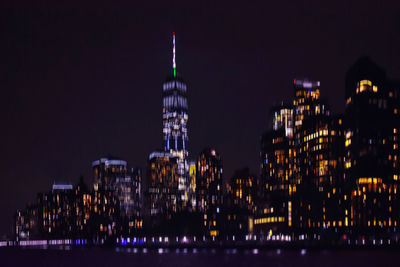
x: 79, y: 82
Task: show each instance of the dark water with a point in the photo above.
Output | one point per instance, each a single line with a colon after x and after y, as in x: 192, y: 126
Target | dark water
x: 197, y: 257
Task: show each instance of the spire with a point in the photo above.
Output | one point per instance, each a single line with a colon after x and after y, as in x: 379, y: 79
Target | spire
x: 173, y: 52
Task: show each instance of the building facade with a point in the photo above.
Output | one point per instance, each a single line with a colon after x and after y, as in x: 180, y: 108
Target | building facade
x: 209, y: 195
x: 128, y: 190
x: 372, y: 147
x: 106, y: 170
x: 274, y: 208
x: 162, y: 195
x: 175, y: 119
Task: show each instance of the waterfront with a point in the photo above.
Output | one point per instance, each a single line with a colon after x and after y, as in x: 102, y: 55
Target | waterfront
x: 196, y: 257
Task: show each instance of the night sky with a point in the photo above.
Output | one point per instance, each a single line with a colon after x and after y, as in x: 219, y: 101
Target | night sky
x: 80, y: 82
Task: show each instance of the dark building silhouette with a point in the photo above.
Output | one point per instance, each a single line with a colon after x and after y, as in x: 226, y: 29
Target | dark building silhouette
x: 372, y: 147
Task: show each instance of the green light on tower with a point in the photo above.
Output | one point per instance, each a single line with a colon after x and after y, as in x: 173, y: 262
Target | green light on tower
x: 174, y: 72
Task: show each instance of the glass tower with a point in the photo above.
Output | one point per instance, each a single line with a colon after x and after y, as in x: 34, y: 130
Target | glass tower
x: 175, y: 117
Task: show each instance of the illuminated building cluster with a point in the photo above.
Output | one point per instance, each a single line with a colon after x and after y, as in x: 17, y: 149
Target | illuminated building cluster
x: 325, y: 173
x: 302, y: 173
x: 100, y: 214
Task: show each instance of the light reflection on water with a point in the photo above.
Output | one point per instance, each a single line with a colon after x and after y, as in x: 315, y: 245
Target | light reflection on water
x: 227, y: 251
x: 193, y: 257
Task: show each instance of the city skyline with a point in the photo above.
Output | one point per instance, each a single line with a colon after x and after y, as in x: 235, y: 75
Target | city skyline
x: 241, y: 160
x: 321, y: 175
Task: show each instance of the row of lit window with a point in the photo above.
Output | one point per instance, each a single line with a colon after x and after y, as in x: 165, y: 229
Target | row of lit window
x: 269, y: 220
x: 366, y: 85
x: 369, y: 180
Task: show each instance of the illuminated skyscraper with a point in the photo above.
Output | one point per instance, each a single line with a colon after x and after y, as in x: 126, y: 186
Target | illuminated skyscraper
x: 208, y: 180
x: 162, y: 196
x: 318, y: 202
x: 277, y: 169
x: 239, y: 203
x: 106, y: 170
x: 209, y: 188
x: 175, y: 118
x: 128, y: 190
x: 318, y: 177
x: 243, y: 185
x: 372, y: 147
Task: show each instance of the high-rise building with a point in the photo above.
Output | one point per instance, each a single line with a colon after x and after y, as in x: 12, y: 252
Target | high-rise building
x: 106, y: 170
x: 239, y: 203
x: 128, y: 190
x: 55, y: 211
x: 243, y: 189
x: 318, y: 202
x: 162, y: 194
x: 175, y: 119
x: 274, y: 208
x: 105, y: 216
x: 113, y: 179
x: 129, y: 193
x: 372, y: 147
x: 209, y: 195
x: 82, y: 210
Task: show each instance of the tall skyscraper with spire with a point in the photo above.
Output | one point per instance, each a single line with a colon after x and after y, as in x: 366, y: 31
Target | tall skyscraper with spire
x: 175, y: 118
